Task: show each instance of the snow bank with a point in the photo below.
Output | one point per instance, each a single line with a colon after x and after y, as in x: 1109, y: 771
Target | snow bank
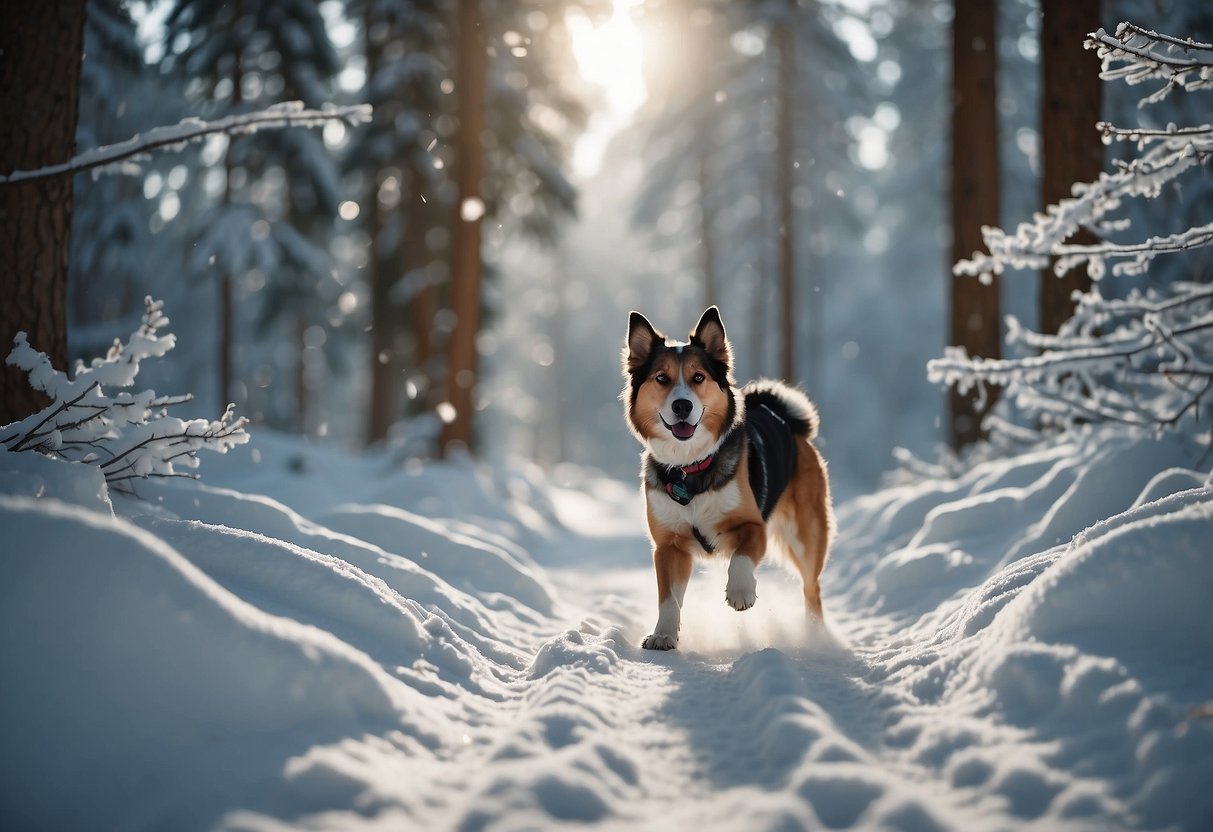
x: 316, y: 641
x: 207, y: 651
x: 1045, y: 657
x: 115, y: 646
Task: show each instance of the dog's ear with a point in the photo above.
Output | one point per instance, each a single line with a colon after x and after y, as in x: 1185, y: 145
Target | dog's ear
x: 709, y: 334
x: 641, y: 340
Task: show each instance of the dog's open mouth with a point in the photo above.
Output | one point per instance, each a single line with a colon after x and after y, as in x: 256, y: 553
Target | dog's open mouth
x: 681, y: 430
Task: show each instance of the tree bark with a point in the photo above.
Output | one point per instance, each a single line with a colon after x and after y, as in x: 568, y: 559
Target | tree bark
x: 785, y: 137
x: 384, y: 357
x: 975, y: 318
x: 1071, y: 148
x: 707, y: 240
x: 423, y: 305
x: 41, y: 48
x: 227, y: 330
x: 465, y: 240
x: 384, y: 366
x: 301, y: 389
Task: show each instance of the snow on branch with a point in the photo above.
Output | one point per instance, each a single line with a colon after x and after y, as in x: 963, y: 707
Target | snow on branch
x: 177, y: 136
x: 1133, y: 54
x: 1136, y: 55
x: 128, y: 435
x: 1036, y: 244
x: 1144, y: 360
x: 1144, y: 136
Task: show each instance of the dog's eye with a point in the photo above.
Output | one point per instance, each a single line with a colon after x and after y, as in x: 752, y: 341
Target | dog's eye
x: 698, y: 378
x: 662, y: 379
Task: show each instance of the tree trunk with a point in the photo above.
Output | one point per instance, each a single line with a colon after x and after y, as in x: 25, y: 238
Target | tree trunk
x: 226, y: 330
x: 301, y: 392
x: 225, y: 340
x: 975, y: 318
x: 465, y: 241
x: 760, y: 324
x: 707, y: 242
x: 41, y: 48
x: 226, y: 306
x: 382, y: 398
x: 1071, y: 149
x: 785, y: 137
x: 423, y: 305
x: 384, y: 357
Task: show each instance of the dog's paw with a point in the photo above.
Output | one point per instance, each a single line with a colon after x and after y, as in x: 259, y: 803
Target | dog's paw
x: 659, y: 641
x: 741, y: 592
x: 741, y: 599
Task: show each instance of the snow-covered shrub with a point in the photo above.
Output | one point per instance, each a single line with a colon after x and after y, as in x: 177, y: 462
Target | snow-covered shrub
x: 1145, y: 359
x: 129, y: 436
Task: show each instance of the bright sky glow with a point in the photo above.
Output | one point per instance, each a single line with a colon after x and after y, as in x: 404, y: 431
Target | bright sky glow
x: 608, y: 55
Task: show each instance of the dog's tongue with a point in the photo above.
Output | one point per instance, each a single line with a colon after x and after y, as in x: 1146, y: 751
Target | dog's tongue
x: 683, y: 430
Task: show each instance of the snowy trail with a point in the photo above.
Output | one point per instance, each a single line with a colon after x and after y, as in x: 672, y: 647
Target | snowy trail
x: 747, y: 722
x: 744, y: 723
x: 455, y: 647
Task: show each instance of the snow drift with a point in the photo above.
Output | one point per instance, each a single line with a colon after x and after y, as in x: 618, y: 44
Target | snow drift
x: 311, y: 640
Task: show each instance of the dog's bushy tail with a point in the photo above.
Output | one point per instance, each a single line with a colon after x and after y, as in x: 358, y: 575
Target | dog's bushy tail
x: 790, y: 403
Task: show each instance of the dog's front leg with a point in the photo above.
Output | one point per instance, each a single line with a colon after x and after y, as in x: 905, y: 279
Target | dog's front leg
x: 748, y: 542
x: 673, y: 566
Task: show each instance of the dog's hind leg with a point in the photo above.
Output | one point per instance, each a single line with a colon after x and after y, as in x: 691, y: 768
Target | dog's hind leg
x: 673, y: 567
x: 805, y: 526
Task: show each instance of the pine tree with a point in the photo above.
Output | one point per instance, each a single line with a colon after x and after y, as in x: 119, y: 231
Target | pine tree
x: 739, y: 126
x: 243, y: 55
x: 401, y: 197
x: 405, y: 162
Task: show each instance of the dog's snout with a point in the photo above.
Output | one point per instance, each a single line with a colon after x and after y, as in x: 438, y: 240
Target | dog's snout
x: 682, y: 408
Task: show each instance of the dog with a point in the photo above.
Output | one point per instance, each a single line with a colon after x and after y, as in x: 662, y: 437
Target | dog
x: 726, y: 470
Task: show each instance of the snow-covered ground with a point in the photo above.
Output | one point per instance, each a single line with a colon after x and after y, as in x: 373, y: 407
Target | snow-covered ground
x: 311, y: 640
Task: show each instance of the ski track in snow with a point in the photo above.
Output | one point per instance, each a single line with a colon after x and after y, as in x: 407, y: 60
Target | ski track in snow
x: 337, y: 655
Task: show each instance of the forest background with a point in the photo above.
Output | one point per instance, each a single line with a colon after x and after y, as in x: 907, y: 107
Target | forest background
x: 790, y: 161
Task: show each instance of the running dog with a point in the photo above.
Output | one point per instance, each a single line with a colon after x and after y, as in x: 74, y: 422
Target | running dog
x: 726, y: 470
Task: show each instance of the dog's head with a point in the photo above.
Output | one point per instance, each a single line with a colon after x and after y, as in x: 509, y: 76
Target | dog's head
x: 680, y: 397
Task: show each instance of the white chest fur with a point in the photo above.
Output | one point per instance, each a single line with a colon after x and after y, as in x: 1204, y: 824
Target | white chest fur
x: 704, y: 512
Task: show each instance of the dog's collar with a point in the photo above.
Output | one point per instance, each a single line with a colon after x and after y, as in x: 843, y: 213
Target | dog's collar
x: 697, y: 467
x: 682, y: 482
x: 676, y: 484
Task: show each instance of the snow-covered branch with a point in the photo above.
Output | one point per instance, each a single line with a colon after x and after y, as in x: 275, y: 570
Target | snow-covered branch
x: 1143, y: 135
x: 1135, y: 55
x: 177, y: 136
x: 128, y: 435
x: 1144, y: 360
x: 1035, y: 244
